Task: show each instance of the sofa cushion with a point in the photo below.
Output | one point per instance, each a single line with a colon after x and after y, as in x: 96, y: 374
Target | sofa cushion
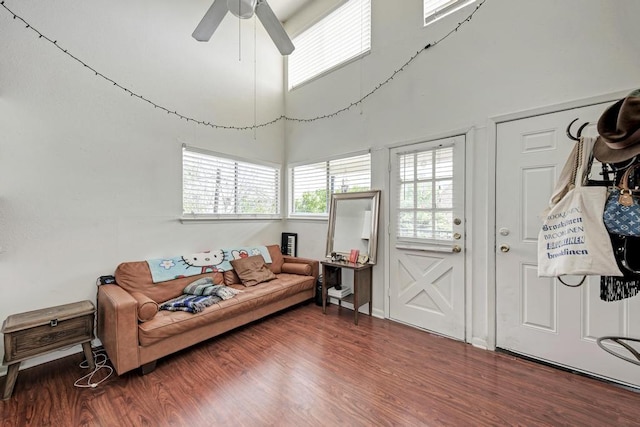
x: 136, y: 277
x: 147, y: 308
x: 277, y: 260
x: 295, y: 268
x: 252, y: 270
x: 170, y: 324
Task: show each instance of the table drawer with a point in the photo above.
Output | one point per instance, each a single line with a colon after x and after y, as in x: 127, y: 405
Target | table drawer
x: 40, y: 339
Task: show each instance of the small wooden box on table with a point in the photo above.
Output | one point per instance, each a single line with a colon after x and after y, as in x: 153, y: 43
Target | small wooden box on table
x: 34, y: 333
x: 331, y: 271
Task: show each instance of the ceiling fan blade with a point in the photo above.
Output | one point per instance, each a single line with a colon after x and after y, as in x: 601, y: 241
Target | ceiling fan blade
x: 210, y: 21
x: 274, y: 28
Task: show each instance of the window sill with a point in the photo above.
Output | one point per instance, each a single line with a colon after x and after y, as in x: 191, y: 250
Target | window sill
x: 211, y: 219
x: 314, y: 218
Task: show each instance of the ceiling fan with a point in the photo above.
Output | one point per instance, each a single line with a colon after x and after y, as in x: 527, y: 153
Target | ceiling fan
x: 244, y: 9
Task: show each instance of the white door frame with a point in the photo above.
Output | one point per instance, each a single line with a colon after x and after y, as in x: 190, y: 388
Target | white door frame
x: 492, y: 138
x: 469, y: 134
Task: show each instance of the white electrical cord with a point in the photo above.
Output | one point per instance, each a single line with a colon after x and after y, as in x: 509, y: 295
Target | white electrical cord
x: 100, y: 359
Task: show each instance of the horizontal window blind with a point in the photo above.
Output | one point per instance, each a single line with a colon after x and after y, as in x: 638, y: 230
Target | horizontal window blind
x: 436, y: 9
x: 313, y: 184
x: 224, y: 187
x: 336, y: 39
x: 425, y: 195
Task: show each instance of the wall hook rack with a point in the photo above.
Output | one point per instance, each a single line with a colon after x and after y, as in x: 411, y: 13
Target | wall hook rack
x: 580, y: 129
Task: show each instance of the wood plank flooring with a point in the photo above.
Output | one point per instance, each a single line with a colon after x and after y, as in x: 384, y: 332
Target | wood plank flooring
x: 303, y: 368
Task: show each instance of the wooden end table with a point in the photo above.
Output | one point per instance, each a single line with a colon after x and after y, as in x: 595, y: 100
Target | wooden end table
x: 34, y: 333
x: 361, y: 284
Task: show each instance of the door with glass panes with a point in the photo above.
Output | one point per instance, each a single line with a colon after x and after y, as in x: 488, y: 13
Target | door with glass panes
x: 538, y: 316
x: 427, y: 236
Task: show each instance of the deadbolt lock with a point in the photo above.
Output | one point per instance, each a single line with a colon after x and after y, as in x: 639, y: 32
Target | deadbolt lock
x: 457, y: 221
x: 457, y: 236
x: 456, y: 249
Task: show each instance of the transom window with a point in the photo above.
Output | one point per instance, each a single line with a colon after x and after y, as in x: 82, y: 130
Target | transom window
x: 437, y: 9
x: 312, y: 184
x: 343, y: 35
x: 221, y: 187
x: 425, y: 195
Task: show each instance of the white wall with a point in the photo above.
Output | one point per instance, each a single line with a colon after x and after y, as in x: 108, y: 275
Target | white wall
x: 91, y: 176
x: 514, y: 55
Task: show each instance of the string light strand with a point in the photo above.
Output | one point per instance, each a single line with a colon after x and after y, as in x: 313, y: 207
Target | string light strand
x: 255, y: 125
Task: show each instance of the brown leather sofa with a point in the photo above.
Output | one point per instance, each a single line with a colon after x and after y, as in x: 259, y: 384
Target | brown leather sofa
x: 136, y: 334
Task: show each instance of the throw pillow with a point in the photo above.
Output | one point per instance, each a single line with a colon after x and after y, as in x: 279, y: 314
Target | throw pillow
x: 252, y: 270
x: 231, y: 278
x: 276, y: 258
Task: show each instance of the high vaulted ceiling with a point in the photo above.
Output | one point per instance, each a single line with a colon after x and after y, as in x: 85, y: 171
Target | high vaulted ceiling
x: 284, y: 9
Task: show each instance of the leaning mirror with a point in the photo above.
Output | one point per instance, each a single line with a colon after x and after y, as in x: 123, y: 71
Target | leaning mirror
x: 353, y: 224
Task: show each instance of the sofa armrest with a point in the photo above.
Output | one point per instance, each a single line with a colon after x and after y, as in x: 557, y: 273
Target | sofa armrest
x: 315, y: 264
x: 118, y: 327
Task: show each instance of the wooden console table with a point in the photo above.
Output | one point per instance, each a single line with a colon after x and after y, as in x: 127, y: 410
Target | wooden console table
x: 34, y: 333
x: 361, y: 284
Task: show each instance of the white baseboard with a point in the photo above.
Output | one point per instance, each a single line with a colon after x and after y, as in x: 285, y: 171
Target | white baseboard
x: 480, y: 343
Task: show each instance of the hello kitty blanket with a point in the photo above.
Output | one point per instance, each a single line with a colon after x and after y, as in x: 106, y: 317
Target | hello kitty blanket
x: 164, y: 269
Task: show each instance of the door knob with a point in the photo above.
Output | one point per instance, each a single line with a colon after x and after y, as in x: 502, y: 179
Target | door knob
x: 456, y: 249
x: 504, y: 247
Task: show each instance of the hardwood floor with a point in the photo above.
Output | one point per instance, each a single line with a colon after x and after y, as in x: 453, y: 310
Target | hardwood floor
x: 302, y: 368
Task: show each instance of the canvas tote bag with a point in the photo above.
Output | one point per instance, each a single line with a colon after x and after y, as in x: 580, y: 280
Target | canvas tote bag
x: 573, y: 239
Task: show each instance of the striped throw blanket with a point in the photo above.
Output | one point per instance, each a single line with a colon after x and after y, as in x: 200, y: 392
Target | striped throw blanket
x: 199, y: 295
x: 190, y: 303
x: 205, y: 286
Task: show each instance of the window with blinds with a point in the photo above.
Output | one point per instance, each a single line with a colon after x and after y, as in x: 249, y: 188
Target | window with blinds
x: 425, y: 196
x: 341, y: 36
x: 312, y: 184
x: 222, y: 187
x: 437, y: 9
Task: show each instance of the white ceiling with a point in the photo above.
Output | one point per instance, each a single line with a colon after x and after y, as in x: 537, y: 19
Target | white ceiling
x: 284, y: 9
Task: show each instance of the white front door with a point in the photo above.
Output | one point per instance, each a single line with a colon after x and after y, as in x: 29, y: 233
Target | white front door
x: 540, y: 317
x: 427, y: 236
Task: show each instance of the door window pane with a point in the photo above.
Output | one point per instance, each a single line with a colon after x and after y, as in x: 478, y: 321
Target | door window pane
x: 425, y: 194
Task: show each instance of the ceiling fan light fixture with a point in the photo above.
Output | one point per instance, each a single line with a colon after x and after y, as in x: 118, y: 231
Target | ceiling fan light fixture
x: 243, y: 9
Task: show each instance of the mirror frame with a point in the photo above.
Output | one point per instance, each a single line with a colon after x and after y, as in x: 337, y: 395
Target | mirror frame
x: 374, y: 196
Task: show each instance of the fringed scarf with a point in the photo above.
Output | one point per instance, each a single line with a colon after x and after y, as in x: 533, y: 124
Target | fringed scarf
x: 627, y: 254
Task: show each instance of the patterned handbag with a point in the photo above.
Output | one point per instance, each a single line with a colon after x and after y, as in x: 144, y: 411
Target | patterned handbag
x: 622, y: 211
